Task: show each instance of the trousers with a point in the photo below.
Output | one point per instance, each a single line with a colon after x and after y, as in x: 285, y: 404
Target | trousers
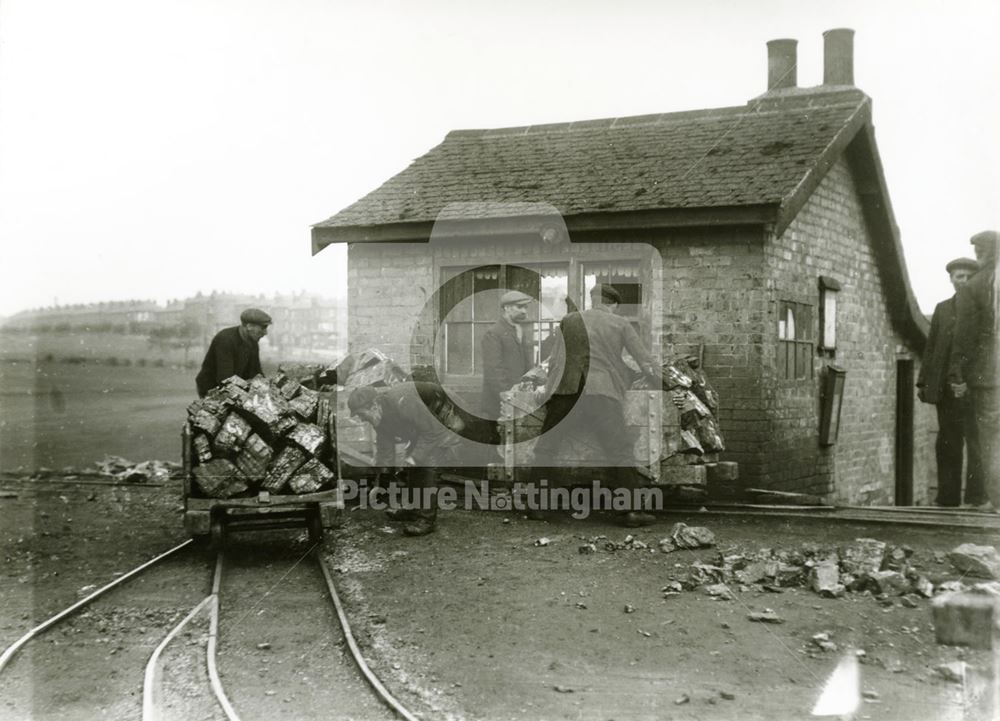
x: 957, y: 429
x: 601, y: 416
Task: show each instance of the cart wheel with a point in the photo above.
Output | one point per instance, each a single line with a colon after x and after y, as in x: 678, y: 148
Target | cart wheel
x: 217, y: 533
x: 315, y: 524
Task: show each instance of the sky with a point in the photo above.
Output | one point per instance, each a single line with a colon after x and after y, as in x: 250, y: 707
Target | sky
x: 153, y: 149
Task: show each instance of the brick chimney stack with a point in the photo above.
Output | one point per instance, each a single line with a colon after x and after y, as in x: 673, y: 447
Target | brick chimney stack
x: 781, y: 64
x: 838, y: 57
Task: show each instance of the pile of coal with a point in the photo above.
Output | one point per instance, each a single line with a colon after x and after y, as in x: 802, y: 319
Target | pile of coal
x: 268, y: 434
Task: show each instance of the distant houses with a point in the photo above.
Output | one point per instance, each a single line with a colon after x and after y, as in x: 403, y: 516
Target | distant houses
x: 303, y: 322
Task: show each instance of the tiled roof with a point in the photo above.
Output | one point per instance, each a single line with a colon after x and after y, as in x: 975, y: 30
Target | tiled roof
x: 758, y: 154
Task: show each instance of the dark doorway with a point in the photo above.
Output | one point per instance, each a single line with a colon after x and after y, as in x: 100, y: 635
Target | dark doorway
x: 904, y: 432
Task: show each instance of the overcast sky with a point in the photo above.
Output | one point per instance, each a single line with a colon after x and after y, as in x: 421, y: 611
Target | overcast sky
x: 154, y: 149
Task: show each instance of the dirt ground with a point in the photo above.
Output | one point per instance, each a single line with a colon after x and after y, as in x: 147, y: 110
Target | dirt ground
x: 475, y: 621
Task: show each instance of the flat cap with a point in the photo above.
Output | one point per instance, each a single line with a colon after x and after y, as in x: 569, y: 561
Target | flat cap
x: 962, y: 263
x: 255, y: 315
x: 607, y: 293
x: 986, y: 237
x: 514, y: 297
x: 361, y: 398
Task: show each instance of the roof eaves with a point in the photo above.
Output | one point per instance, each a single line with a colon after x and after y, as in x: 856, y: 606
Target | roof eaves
x: 794, y: 201
x: 420, y: 232
x: 864, y: 157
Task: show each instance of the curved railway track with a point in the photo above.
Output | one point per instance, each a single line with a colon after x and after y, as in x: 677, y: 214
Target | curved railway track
x: 248, y: 599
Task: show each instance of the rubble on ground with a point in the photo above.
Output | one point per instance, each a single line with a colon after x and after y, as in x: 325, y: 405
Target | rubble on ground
x: 889, y: 574
x: 684, y: 536
x: 145, y: 472
x: 981, y: 561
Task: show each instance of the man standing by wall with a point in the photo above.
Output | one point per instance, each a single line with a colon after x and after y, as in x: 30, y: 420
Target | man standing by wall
x: 507, y: 352
x: 956, y: 421
x: 234, y: 351
x: 588, y: 379
x: 973, y: 367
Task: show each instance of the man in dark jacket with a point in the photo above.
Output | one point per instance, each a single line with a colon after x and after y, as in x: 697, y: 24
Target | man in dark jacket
x: 507, y: 350
x: 413, y: 412
x: 973, y: 367
x: 588, y: 378
x: 234, y: 351
x: 956, y: 422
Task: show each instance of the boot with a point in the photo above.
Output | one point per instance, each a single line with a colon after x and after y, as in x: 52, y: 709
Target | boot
x: 424, y: 523
x: 636, y: 519
x: 401, y: 514
x: 420, y: 527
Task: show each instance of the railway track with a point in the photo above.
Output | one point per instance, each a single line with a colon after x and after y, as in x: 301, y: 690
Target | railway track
x: 259, y: 644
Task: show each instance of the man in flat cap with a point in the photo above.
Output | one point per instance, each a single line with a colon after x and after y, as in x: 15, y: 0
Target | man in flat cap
x: 234, y: 351
x: 586, y: 387
x: 508, y: 352
x: 973, y: 366
x: 956, y: 421
x: 421, y: 414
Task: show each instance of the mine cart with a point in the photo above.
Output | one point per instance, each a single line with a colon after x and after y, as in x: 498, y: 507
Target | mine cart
x: 256, y: 508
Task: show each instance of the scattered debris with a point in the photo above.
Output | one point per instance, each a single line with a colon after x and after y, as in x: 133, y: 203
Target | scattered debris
x: 682, y: 699
x: 629, y: 608
x: 588, y: 548
x: 974, y: 560
x: 727, y: 695
x: 824, y: 579
x: 765, y: 616
x: 562, y: 689
x: 822, y: 641
x: 684, y: 536
x: 862, y: 557
x: 145, y: 472
x: 720, y: 590
x: 543, y: 541
x: 954, y: 671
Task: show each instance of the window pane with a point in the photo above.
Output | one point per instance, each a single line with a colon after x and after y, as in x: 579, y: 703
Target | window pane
x: 554, y: 289
x: 805, y: 327
x: 486, y: 285
x: 522, y: 279
x: 453, y: 290
x: 458, y: 357
x: 623, y: 276
x: 803, y: 357
x: 782, y: 360
x: 480, y: 330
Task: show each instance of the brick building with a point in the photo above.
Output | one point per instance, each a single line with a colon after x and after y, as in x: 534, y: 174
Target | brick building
x: 759, y: 236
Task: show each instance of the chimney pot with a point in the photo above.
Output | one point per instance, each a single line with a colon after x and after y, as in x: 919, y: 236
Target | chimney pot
x: 781, y: 63
x: 838, y: 57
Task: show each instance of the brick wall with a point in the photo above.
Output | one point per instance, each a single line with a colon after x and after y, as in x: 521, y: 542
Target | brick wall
x: 387, y: 286
x: 829, y: 237
x: 715, y: 299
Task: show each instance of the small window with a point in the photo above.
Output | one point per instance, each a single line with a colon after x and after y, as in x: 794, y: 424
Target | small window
x: 795, y: 341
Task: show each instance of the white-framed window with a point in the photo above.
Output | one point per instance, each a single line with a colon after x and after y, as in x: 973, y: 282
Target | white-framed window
x: 469, y: 303
x: 795, y: 340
